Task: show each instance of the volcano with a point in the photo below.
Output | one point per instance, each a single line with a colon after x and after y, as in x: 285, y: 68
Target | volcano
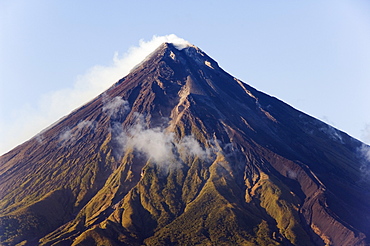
x: 179, y: 152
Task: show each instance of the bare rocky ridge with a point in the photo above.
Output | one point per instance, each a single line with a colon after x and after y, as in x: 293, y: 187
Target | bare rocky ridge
x: 181, y: 153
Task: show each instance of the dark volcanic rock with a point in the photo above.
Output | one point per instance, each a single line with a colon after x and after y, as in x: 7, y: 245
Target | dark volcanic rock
x: 179, y: 152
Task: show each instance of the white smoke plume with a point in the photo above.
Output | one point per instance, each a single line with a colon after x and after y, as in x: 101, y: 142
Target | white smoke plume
x: 31, y: 119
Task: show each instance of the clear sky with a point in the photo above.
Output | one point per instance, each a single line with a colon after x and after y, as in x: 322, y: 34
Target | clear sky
x: 314, y: 55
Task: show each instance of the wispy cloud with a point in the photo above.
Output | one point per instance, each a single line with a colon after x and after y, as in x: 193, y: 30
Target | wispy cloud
x: 332, y: 132
x: 365, y: 155
x: 65, y: 135
x: 366, y: 134
x: 69, y: 135
x: 30, y: 120
x: 115, y: 106
x: 158, y: 145
x: 86, y: 124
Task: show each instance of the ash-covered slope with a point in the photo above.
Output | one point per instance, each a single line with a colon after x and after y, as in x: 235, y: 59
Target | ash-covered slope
x: 181, y: 153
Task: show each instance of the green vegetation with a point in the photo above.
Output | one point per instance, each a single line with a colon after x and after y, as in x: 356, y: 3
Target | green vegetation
x: 282, y: 205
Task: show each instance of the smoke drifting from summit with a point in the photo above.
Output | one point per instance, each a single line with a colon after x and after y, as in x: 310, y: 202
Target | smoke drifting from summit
x: 31, y: 119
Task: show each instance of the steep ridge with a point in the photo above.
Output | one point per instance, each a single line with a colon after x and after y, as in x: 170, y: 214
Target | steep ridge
x: 179, y: 152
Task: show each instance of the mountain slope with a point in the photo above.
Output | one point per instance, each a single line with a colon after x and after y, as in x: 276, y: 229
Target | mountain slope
x: 180, y: 152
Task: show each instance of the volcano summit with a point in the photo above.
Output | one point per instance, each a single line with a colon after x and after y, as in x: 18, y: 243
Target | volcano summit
x: 179, y: 152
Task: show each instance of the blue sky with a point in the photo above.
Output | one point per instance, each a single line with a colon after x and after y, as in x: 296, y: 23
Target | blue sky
x: 314, y: 55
